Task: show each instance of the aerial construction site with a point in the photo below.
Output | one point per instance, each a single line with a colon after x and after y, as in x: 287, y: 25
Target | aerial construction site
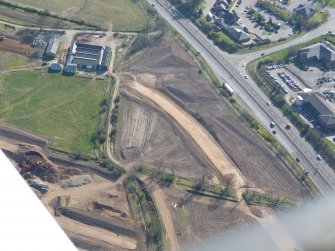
x: 146, y: 153
x: 192, y: 168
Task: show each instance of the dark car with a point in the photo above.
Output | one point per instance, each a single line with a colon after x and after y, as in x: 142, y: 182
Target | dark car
x: 288, y: 126
x: 274, y: 132
x: 297, y: 159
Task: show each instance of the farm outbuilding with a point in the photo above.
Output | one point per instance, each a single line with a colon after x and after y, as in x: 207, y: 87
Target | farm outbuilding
x: 70, y: 69
x: 55, y: 68
x: 89, y: 57
x: 52, y: 48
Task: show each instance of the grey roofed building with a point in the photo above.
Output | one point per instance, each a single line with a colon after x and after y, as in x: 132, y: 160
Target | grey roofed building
x: 305, y: 11
x: 89, y: 57
x: 320, y: 108
x: 318, y: 52
x: 52, y: 48
x: 219, y: 7
x: 55, y: 67
x: 70, y: 69
x: 235, y: 31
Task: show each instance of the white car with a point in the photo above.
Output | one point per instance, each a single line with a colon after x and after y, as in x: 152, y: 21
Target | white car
x: 319, y: 157
x: 243, y: 64
x: 246, y: 77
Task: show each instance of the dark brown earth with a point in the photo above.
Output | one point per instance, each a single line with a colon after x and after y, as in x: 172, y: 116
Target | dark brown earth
x: 177, y: 76
x: 151, y: 139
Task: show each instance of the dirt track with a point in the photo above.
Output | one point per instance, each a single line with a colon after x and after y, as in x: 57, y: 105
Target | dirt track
x: 149, y: 137
x: 95, y: 233
x: 174, y: 72
x: 200, y: 135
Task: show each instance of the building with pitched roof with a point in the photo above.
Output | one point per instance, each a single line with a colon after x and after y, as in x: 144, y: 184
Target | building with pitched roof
x: 52, y: 47
x: 305, y: 11
x: 320, y: 108
x: 235, y: 31
x: 320, y: 52
x: 89, y: 57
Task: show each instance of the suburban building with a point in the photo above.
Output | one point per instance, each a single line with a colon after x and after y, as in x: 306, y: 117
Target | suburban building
x: 52, y: 48
x: 305, y: 11
x: 322, y: 52
x: 89, y: 57
x: 322, y: 109
x: 219, y: 7
x: 235, y: 31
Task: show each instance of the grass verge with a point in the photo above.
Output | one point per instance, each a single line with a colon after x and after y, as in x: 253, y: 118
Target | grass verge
x: 196, y: 187
x: 141, y: 203
x: 255, y: 198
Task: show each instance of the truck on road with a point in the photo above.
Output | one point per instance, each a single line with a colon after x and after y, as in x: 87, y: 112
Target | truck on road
x: 229, y: 89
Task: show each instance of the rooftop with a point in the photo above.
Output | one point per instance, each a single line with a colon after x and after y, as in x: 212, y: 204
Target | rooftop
x: 88, y: 55
x: 305, y: 11
x: 323, y: 50
x: 323, y: 106
x: 53, y: 45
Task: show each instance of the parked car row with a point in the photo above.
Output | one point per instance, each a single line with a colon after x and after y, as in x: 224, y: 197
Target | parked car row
x: 289, y: 82
x: 276, y: 81
x: 330, y: 95
x: 308, y: 116
x: 275, y: 66
x: 325, y: 80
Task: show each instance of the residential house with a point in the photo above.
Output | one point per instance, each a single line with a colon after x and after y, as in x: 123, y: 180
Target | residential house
x: 305, y: 11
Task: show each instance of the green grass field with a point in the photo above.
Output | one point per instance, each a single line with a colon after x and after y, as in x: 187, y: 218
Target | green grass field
x: 51, y: 5
x: 124, y: 14
x: 10, y: 60
x: 62, y: 109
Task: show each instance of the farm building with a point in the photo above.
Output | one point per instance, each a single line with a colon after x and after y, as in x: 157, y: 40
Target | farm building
x: 89, y: 57
x: 55, y: 67
x: 320, y: 108
x: 70, y: 69
x: 52, y: 48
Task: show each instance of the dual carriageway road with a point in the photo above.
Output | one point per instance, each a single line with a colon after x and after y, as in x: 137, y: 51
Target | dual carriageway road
x: 229, y: 67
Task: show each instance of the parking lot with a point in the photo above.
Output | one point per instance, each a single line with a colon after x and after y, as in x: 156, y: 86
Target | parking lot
x: 284, y: 31
x: 313, y: 78
x: 308, y: 117
x: 289, y: 83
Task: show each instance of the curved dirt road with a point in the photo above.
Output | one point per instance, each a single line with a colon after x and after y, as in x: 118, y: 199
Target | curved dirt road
x: 159, y: 198
x: 205, y: 142
x: 216, y: 155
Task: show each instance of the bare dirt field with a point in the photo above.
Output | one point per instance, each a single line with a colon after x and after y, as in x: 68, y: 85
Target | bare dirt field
x: 148, y: 138
x: 15, y: 46
x: 15, y: 51
x: 178, y: 77
x: 198, y: 219
x: 192, y: 128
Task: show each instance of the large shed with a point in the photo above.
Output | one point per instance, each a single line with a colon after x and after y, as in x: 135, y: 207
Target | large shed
x: 52, y: 48
x: 89, y: 57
